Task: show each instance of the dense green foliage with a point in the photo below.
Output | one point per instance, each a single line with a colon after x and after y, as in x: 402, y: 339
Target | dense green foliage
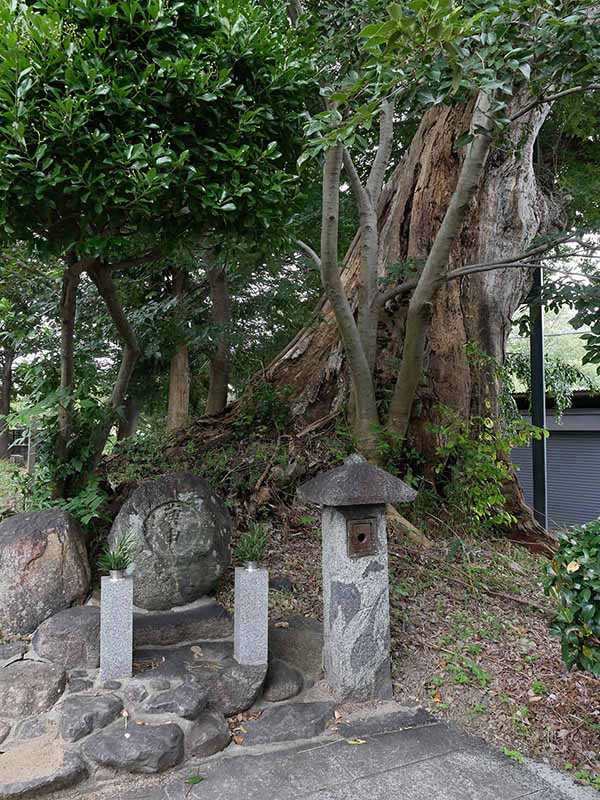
x: 145, y: 117
x: 573, y: 580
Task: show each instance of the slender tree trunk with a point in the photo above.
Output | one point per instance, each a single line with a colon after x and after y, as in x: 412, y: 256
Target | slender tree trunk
x: 216, y: 401
x: 508, y: 211
x: 365, y: 419
x: 68, y: 310
x: 128, y: 420
x: 179, y: 377
x: 101, y: 274
x: 7, y: 358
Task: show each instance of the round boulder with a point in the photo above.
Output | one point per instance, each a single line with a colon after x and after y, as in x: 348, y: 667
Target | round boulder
x: 182, y: 534
x: 29, y: 688
x: 70, y: 638
x: 44, y: 568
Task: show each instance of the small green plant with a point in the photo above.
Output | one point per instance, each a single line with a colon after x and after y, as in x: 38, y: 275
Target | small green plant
x: 252, y: 545
x: 516, y: 755
x: 573, y: 580
x: 118, y: 556
x: 400, y: 589
x: 539, y: 688
x: 194, y: 780
x: 464, y: 670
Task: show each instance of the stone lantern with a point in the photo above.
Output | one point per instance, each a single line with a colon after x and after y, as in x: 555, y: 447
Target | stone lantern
x: 356, y: 654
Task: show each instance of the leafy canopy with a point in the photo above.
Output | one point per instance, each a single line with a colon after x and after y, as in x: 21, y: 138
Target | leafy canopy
x: 129, y: 117
x: 425, y: 53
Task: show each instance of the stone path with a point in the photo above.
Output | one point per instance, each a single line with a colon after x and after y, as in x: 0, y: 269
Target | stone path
x: 429, y: 761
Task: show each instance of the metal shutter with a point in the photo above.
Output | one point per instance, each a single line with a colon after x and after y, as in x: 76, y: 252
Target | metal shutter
x: 573, y: 476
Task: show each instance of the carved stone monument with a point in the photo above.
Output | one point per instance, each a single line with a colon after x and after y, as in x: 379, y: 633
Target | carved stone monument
x: 356, y: 653
x: 182, y: 532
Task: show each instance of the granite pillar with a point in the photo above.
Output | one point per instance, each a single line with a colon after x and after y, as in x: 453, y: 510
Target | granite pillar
x: 251, y: 616
x: 116, y: 628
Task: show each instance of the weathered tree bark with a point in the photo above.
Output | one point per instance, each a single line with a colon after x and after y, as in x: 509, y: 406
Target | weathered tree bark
x: 218, y: 389
x: 7, y: 356
x: 179, y: 376
x: 436, y: 268
x: 508, y: 211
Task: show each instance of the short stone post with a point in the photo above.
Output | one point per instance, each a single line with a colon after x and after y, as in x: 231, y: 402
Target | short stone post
x: 116, y: 626
x: 356, y: 654
x: 251, y: 615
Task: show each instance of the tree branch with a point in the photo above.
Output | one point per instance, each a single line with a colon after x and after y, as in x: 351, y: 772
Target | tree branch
x: 294, y: 11
x: 307, y: 249
x: 369, y: 246
x: 592, y: 87
x: 152, y: 255
x: 68, y: 310
x: 384, y: 152
x: 518, y: 260
x: 358, y: 190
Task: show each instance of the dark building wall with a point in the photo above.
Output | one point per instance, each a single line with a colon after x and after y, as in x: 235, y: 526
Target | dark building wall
x: 573, y: 468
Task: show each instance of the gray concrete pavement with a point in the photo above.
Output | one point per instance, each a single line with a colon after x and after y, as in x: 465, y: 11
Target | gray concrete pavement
x: 431, y: 761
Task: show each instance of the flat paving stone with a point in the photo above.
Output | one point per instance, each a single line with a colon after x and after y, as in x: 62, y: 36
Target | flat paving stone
x: 431, y: 761
x: 386, y: 723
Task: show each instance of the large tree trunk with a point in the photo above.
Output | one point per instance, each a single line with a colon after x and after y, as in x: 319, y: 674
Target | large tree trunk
x: 218, y: 389
x: 508, y: 211
x: 179, y: 377
x: 6, y: 360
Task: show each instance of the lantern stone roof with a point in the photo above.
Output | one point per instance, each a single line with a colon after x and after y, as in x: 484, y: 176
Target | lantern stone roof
x: 356, y: 483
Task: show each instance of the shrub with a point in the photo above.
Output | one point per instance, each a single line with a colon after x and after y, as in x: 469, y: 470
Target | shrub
x: 266, y: 408
x: 573, y: 580
x: 252, y: 545
x: 472, y: 467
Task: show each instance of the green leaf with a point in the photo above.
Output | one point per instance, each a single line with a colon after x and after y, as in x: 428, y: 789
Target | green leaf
x: 464, y: 139
x: 194, y: 780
